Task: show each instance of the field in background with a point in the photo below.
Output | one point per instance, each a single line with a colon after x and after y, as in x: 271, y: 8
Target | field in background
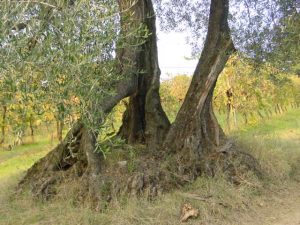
x: 275, y: 142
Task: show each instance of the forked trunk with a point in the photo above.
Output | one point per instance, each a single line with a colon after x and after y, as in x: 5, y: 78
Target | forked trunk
x: 144, y: 120
x: 192, y: 141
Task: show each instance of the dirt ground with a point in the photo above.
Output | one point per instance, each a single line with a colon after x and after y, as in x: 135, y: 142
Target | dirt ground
x: 282, y: 208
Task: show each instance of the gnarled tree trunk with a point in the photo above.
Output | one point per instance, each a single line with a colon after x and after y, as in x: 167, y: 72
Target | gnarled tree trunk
x: 75, y: 156
x: 199, y: 136
x: 196, y: 140
x: 144, y: 120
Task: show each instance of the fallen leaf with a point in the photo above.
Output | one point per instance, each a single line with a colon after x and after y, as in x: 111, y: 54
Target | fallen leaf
x: 187, y: 212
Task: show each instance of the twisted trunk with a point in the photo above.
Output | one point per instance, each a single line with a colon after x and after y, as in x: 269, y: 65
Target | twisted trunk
x: 200, y: 135
x: 195, y: 140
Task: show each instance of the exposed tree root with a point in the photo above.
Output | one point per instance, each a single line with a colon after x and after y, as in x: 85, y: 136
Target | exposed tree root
x: 99, y: 181
x: 69, y: 159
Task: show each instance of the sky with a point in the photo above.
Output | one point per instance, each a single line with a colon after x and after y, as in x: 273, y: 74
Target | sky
x: 172, y: 54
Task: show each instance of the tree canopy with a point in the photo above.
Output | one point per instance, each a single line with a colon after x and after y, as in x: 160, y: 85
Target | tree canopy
x: 62, y: 50
x: 255, y: 25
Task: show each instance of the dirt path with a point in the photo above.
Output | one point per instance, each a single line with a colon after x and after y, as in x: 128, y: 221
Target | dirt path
x: 292, y: 217
x: 281, y: 208
x: 288, y: 212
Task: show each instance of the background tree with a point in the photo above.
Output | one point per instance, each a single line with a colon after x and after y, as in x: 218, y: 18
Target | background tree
x: 5, y: 99
x: 255, y: 91
x: 286, y: 43
x: 173, y: 92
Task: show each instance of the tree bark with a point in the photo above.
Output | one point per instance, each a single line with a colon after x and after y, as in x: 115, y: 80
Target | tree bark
x: 4, y: 112
x: 31, y: 126
x: 59, y: 129
x: 200, y: 134
x: 144, y: 120
x: 229, y: 107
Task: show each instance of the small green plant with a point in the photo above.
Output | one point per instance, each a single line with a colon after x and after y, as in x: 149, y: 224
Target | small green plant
x: 105, y: 147
x: 132, y: 159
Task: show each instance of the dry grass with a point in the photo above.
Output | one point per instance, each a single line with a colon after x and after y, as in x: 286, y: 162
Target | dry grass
x: 220, y: 200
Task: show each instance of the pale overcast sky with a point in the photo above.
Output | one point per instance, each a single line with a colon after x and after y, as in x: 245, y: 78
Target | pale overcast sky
x: 172, y: 50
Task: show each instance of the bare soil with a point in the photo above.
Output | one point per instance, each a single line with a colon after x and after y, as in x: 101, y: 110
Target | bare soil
x: 280, y: 208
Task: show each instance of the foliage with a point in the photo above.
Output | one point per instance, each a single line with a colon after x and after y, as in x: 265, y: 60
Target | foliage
x: 287, y: 44
x: 172, y: 94
x: 256, y: 91
x: 253, y: 23
x: 57, y: 62
x: 57, y: 59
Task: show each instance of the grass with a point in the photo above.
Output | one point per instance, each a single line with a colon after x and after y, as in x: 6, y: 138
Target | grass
x: 278, y: 124
x: 16, y: 161
x: 275, y: 143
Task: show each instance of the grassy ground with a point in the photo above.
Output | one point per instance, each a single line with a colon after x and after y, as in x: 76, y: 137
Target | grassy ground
x: 16, y: 161
x: 276, y: 143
